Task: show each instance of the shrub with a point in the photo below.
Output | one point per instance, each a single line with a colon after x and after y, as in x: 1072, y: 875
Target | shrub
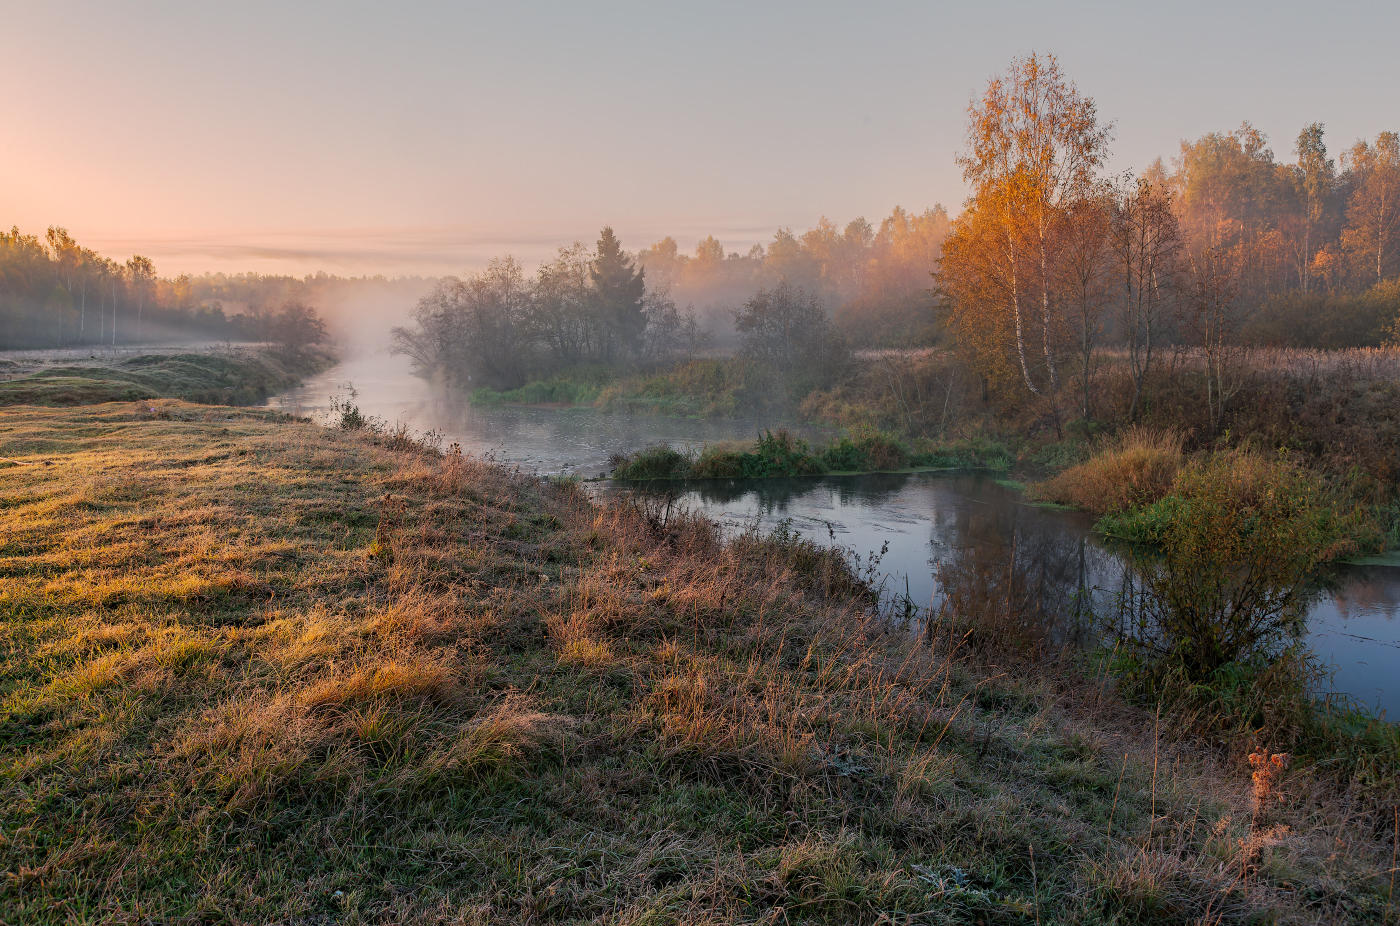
x: 868, y: 450
x: 659, y: 461
x: 346, y: 415
x: 1135, y: 469
x: 781, y: 454
x: 775, y: 454
x: 718, y: 462
x: 1238, y: 538
x: 845, y: 455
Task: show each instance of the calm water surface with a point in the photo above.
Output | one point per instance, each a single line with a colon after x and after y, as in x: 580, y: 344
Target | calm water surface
x: 925, y: 518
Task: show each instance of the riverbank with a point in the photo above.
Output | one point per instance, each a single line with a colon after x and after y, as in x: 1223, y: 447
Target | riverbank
x: 1336, y: 410
x: 225, y: 376
x: 259, y: 670
x: 728, y: 387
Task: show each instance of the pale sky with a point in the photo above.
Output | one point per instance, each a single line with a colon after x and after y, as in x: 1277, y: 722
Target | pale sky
x: 359, y: 138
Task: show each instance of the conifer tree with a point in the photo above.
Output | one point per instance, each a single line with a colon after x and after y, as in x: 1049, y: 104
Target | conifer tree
x: 618, y: 287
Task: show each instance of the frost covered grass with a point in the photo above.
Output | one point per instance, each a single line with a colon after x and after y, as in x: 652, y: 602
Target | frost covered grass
x: 255, y: 670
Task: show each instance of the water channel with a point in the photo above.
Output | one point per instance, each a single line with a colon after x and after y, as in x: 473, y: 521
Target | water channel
x: 927, y: 519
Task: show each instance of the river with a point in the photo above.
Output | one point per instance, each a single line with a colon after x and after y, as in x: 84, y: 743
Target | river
x: 928, y: 520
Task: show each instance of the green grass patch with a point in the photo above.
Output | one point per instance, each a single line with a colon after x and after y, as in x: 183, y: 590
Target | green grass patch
x: 717, y: 388
x: 779, y: 453
x: 551, y: 392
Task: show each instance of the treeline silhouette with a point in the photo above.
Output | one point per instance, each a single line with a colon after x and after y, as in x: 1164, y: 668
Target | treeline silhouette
x: 1307, y: 251
x: 498, y: 327
x: 585, y: 313
x: 56, y: 293
x: 1309, y: 246
x: 1231, y: 246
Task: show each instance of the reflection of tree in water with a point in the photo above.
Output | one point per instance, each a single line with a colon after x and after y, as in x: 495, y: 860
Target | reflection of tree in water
x: 773, y: 496
x: 1365, y: 590
x: 769, y: 495
x: 1017, y: 578
x: 1067, y: 587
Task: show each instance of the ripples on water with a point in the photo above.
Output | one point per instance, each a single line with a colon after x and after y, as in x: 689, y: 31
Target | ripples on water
x: 926, y: 518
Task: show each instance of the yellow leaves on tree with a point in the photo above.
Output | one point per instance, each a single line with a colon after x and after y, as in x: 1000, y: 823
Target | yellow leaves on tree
x: 1034, y: 147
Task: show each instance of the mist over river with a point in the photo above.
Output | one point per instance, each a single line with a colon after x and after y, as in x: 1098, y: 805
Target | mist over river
x: 927, y: 519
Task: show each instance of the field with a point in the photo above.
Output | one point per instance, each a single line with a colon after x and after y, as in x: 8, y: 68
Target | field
x: 228, y: 376
x: 259, y: 671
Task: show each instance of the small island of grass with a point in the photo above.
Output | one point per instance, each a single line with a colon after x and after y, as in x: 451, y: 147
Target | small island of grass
x: 779, y: 453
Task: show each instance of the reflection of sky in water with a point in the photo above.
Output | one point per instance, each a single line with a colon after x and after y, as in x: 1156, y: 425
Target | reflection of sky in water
x: 1356, y: 627
x: 924, y: 518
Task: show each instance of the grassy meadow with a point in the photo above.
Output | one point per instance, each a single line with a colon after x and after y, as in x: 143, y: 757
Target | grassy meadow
x: 255, y: 670
x: 234, y: 376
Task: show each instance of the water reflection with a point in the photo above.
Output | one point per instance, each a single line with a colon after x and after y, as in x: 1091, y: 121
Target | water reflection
x: 1357, y: 627
x: 544, y: 440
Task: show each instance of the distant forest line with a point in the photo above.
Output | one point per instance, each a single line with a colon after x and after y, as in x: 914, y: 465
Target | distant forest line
x: 56, y: 293
x: 1309, y: 249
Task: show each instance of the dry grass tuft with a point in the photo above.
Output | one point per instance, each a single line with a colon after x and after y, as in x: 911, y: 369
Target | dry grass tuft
x: 499, y: 736
x: 397, y: 681
x: 578, y: 642
x: 1136, y: 468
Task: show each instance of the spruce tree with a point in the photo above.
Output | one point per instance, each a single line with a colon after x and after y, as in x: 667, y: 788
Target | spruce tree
x: 618, y: 288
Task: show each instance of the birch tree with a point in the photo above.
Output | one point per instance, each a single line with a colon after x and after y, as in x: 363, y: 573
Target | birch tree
x: 1034, y: 147
x: 1372, y: 234
x: 1084, y: 283
x: 142, y: 273
x: 1211, y: 322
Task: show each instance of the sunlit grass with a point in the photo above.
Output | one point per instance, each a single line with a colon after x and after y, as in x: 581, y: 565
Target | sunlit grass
x: 1136, y: 467
x: 217, y: 704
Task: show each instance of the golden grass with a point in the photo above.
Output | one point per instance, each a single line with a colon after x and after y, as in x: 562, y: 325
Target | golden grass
x: 1135, y: 468
x: 502, y: 733
x: 395, y: 680
x: 216, y: 704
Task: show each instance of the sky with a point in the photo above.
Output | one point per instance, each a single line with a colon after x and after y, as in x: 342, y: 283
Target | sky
x: 424, y: 138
